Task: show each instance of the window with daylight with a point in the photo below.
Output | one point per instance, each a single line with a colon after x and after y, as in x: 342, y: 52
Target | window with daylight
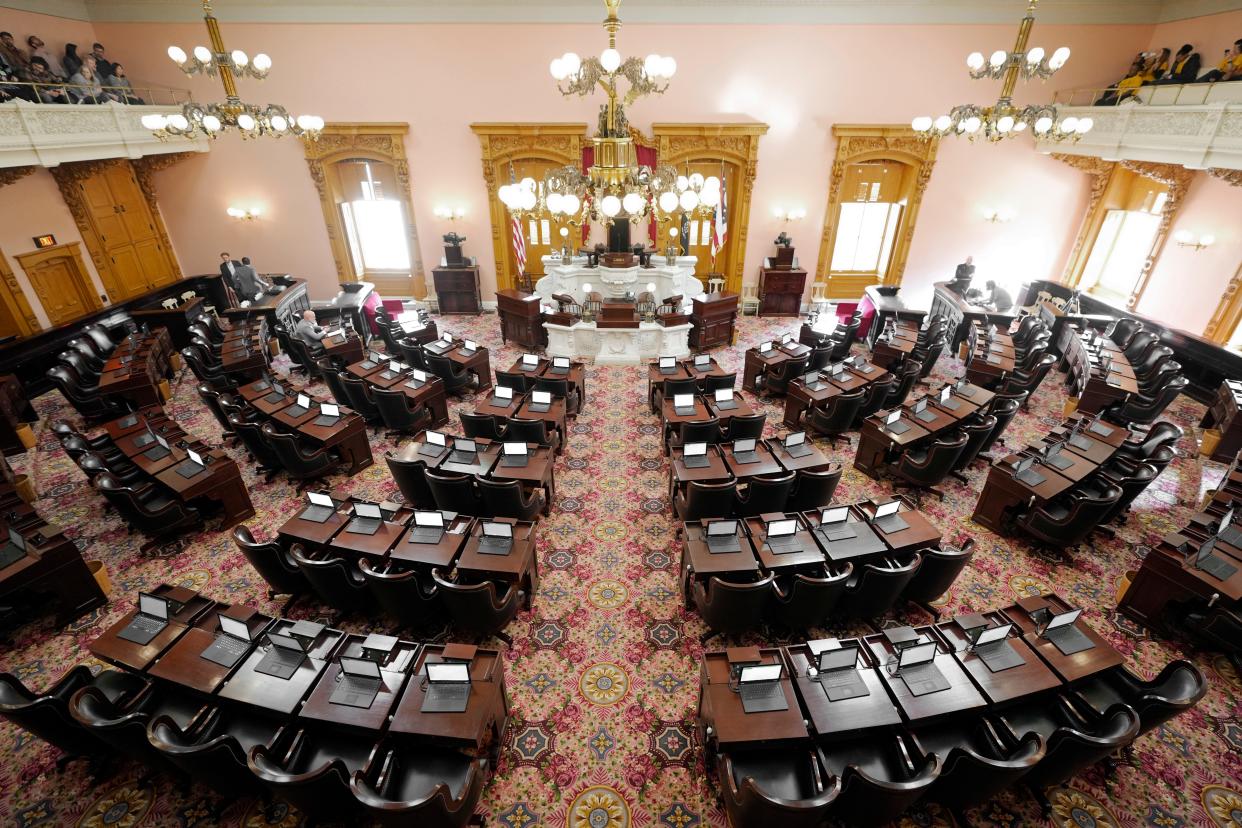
x: 375, y: 224
x: 1121, y: 249
x: 865, y: 234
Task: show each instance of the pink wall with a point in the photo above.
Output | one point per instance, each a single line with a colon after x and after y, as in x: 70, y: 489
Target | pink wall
x: 441, y: 78
x: 55, y: 32
x: 1210, y: 35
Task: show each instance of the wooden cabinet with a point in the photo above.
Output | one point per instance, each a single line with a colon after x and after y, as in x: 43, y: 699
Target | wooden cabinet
x: 780, y: 291
x: 457, y: 289
x: 713, y: 317
x: 521, y: 319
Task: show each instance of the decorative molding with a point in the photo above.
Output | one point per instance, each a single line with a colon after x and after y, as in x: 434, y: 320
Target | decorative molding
x: 1100, y: 171
x: 384, y: 142
x: 1233, y: 177
x: 860, y: 143
x: 43, y: 135
x: 69, y: 178
x: 1177, y: 179
x: 10, y: 174
x: 12, y: 295
x: 1228, y: 313
x: 145, y: 169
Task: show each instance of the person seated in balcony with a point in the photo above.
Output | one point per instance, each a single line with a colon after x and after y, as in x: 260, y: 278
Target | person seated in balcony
x: 39, y: 50
x: 1160, y: 68
x: 1109, y: 98
x: 46, y: 91
x: 103, y: 66
x: 1230, y: 67
x: 13, y: 55
x: 72, y: 61
x: 84, y: 87
x: 10, y: 86
x: 119, y: 85
x: 1185, y: 67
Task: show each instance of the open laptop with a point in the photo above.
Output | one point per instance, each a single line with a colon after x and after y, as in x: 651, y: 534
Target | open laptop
x: 694, y: 456
x: 668, y: 365
x: 540, y: 402
x: 448, y: 687
x: 795, y: 444
x: 284, y: 656
x: 328, y: 414
x: 368, y: 517
x: 1079, y: 440
x: 1024, y: 470
x: 496, y: 538
x: 469, y: 346
x: 434, y: 444
x: 502, y: 396
x: 231, y: 642
x: 836, y: 672
x: 277, y: 394
x: 128, y: 421
x: 194, y: 464
x: 14, y: 550
x: 560, y: 365
x: 887, y: 519
x: 916, y: 667
x: 921, y: 412
x: 744, y: 450
x: 781, y: 536
x: 1228, y: 532
x: 759, y: 685
x: 373, y: 359
x: 514, y: 455
x: 300, y: 406
x: 1055, y: 457
x: 465, y: 451
x: 321, y: 507
x: 993, y: 648
x: 1205, y: 561
x: 428, y: 527
x: 529, y: 362
x: 963, y: 388
x: 1062, y: 630
x: 894, y: 424
x: 159, y: 451
x: 393, y: 370
x: 811, y: 380
x: 440, y: 345
x: 703, y: 362
x: 861, y: 365
x: 418, y: 378
x: 946, y: 401
x: 358, y: 683
x: 144, y: 438
x: 721, y: 536
x: 724, y: 399
x: 834, y: 524
x: 152, y: 618
x: 765, y: 348
x: 683, y: 404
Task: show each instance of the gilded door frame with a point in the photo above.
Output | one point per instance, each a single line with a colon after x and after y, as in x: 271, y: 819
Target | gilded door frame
x: 508, y: 143
x: 858, y: 144
x: 14, y: 298
x: 71, y: 252
x: 1228, y: 314
x: 377, y: 141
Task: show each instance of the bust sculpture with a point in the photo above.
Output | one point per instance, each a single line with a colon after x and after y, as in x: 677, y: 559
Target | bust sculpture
x: 454, y: 239
x: 783, y: 240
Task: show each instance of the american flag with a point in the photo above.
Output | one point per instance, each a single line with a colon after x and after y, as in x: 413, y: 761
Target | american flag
x: 519, y: 244
x: 720, y: 222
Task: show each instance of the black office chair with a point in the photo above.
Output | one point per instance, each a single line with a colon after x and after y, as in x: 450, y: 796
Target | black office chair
x: 481, y: 425
x: 874, y: 396
x: 410, y: 476
x: 274, y: 565
x: 977, y: 765
x: 332, y: 378
x: 403, y: 594
x: 695, y: 431
x: 156, y: 514
x: 821, y: 355
x: 98, y: 335
x: 924, y: 469
x: 927, y: 355
x: 260, y: 450
x: 301, y: 463
x: 1142, y: 448
x: 360, y: 398
x: 764, y: 494
x: 560, y: 389
x: 204, y: 371
x: 455, y: 382
x: 86, y: 401
x: 1178, y: 688
x: 977, y: 431
x: 843, y: 338
x: 213, y: 750
x: 1140, y: 344
x: 1028, y: 381
x: 1004, y: 410
x: 521, y: 430
x: 399, y: 418
x: 908, y: 374
x: 480, y: 609
x: 713, y: 382
x: 88, y: 376
x: 506, y: 498
x: 669, y: 388
x: 1152, y: 361
x: 518, y: 381
x: 412, y: 353
x: 1140, y: 409
x: 1132, y: 480
x: 1064, y: 524
x: 873, y: 589
x: 453, y: 492
x: 125, y: 472
x: 835, y: 416
x: 1123, y: 331
x: 87, y: 350
x: 120, y: 722
x: 730, y: 608
x: 810, y: 600
x: 881, y: 776
x: 745, y: 426
x: 773, y: 384
x: 419, y: 785
x: 1150, y: 384
x: 936, y: 574
x: 778, y: 788
x: 705, y: 500
x: 312, y: 770
x: 814, y: 488
x: 334, y: 580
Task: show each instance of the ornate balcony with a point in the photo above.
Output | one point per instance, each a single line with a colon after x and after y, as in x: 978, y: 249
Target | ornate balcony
x: 51, y: 134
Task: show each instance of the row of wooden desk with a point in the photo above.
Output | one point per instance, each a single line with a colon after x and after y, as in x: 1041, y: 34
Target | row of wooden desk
x: 857, y: 375
x: 990, y: 355
x: 722, y: 466
x: 877, y: 441
x: 538, y: 471
x: 687, y: 368
x: 137, y: 368
x: 244, y: 351
x: 1083, y: 353
x: 891, y: 347
x: 1225, y: 415
x: 379, y: 373
x: 347, y: 435
x: 758, y: 363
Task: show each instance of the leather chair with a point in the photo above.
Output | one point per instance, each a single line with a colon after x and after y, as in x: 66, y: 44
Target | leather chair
x: 299, y: 463
x: 360, y: 398
x: 977, y: 432
x: 1064, y: 525
x: 198, y: 328
x: 705, y: 500
x: 821, y: 355
x: 205, y: 372
x: 778, y: 788
x: 518, y: 381
x: 522, y: 430
x: 505, y: 498
x: 1027, y: 327
x: 1132, y: 480
x: 87, y: 350
x: 121, y: 722
x: 1178, y: 688
x: 479, y: 609
x: 1213, y: 628
x: 810, y: 600
x: 157, y: 514
x: 928, y: 356
x: 843, y: 338
x: 1143, y: 447
x: 670, y: 388
x: 880, y: 777
x: 391, y: 343
x: 101, y: 443
x: 274, y: 565
x: 1140, y: 409
x: 713, y: 383
x: 77, y: 446
x: 873, y: 590
x: 412, y: 353
x: 1004, y: 410
x: 1151, y: 383
x: 908, y: 374
x: 746, y: 426
x: 561, y: 389
x: 874, y: 396
x: 814, y: 488
x: 931, y: 332
x: 98, y: 335
x: 430, y: 787
x: 211, y: 399
x: 260, y: 450
x: 88, y: 376
x: 86, y: 401
x: 730, y: 608
x: 402, y: 594
x: 977, y: 764
x: 332, y: 379
x: 213, y: 750
x: 1155, y: 357
x: 304, y: 356
x: 939, y: 570
x: 1140, y: 344
x: 1123, y: 331
x: 481, y: 425
x: 312, y: 770
x: 125, y: 472
x: 399, y: 418
x: 1026, y: 355
x: 923, y: 469
x: 696, y: 431
x: 455, y: 382
x: 336, y: 583
x: 764, y: 494
x: 454, y: 492
x: 1028, y: 381
x: 410, y: 476
x: 773, y: 384
x: 836, y: 416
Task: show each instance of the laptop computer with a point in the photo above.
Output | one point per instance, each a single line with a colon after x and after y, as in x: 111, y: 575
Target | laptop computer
x: 1228, y: 531
x: 963, y: 388
x: 921, y: 412
x: 440, y: 345
x: 702, y: 362
x: 128, y: 421
x: 861, y: 365
x: 811, y: 380
x: 795, y: 444
x: 886, y: 518
x: 284, y: 656
x: 744, y: 450
x: 694, y: 456
x: 428, y: 527
x: 540, y: 402
x: 394, y: 370
x: 724, y: 399
x: 434, y: 444
x: 1053, y: 456
x: 668, y: 365
x: 377, y: 647
x: 418, y: 378
x: 560, y: 365
x: 1205, y: 561
x: 367, y: 519
x: 502, y: 396
x: 358, y: 683
x: 158, y: 452
x: 465, y: 451
x: 321, y: 507
x: 231, y: 642
x: 1062, y: 630
x: 496, y: 538
x: 277, y: 394
x: 916, y: 667
x: 448, y: 687
x: 300, y: 406
x: 514, y: 455
x: 469, y: 346
x: 194, y: 464
x: 1023, y: 470
x: 836, y: 672
x: 683, y: 404
x: 529, y: 362
x: 765, y: 348
x: 721, y: 536
x: 993, y: 648
x: 834, y: 524
x: 14, y: 550
x: 144, y: 438
x: 781, y: 536
x: 946, y: 401
x: 152, y: 618
x: 894, y: 424
x: 329, y: 414
x: 759, y: 685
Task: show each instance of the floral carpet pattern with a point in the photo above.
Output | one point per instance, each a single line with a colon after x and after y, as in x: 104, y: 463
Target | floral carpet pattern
x: 603, y: 672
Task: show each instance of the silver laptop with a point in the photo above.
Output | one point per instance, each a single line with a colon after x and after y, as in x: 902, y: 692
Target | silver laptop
x: 744, y: 450
x: 428, y: 527
x: 465, y: 451
x: 529, y: 362
x: 502, y: 396
x: 321, y: 507
x: 299, y: 407
x: 560, y: 365
x: 834, y: 524
x: 358, y: 683
x: 418, y: 378
x: 759, y: 685
x: 496, y: 538
x: 540, y: 402
x: 916, y: 667
x: 683, y: 404
x: 434, y: 444
x: 284, y: 656
x: 329, y: 413
x: 668, y: 365
x: 886, y: 518
x: 1062, y: 630
x: 993, y: 648
x: 368, y: 517
x: 795, y: 444
x: 836, y: 671
x: 724, y: 399
x: 448, y: 687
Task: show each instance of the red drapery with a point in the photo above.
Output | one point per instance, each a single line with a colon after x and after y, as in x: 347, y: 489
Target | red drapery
x: 646, y: 157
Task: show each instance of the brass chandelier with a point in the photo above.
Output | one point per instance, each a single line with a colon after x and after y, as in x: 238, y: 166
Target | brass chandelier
x: 1002, y: 119
x: 615, y: 186
x: 251, y: 120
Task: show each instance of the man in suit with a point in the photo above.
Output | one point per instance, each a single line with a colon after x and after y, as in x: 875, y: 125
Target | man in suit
x: 309, y: 331
x: 248, y: 282
x: 228, y: 267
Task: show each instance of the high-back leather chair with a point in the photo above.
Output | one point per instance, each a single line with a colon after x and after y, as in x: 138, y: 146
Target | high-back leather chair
x: 745, y: 426
x: 1004, y: 410
x: 1152, y: 360
x: 1026, y: 328
x: 121, y: 723
x: 86, y: 401
x: 300, y: 462
x: 304, y: 356
x: 399, y: 417
x: 213, y: 751
x: 456, y: 382
x: 764, y: 494
x: 337, y: 583
x: 274, y: 564
x: 814, y: 488
x: 1123, y: 331
x: 873, y: 590
x: 1074, y: 741
x: 821, y: 355
x: 880, y: 778
x: 86, y: 348
x: 518, y: 381
x: 561, y: 389
x: 433, y: 787
x: 360, y: 398
x: 936, y: 574
x: 669, y: 388
x: 1152, y: 382
x: 844, y: 338
x: 924, y: 469
x: 1178, y: 688
x: 156, y: 514
x: 728, y: 607
x: 1029, y: 381
x: 777, y: 788
x: 874, y: 396
x: 209, y: 353
x: 480, y: 609
x: 907, y: 376
x: 261, y: 451
x: 410, y: 476
x: 312, y: 770
x: 1140, y: 344
x: 1065, y: 525
x: 836, y: 416
x: 332, y: 379
x: 1140, y: 409
x: 88, y: 376
x: 505, y: 498
x: 1132, y: 480
x: 927, y: 356
x: 809, y: 600
x: 1142, y: 447
x: 198, y: 328
x: 776, y: 383
x: 976, y: 764
x: 977, y: 431
x: 705, y: 500
x: 204, y: 371
x: 481, y: 425
x: 522, y: 430
x: 404, y: 595
x: 696, y: 431
x: 453, y: 492
x: 102, y: 341
x: 412, y: 353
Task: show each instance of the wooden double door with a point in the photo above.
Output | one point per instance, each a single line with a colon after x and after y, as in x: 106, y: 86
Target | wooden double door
x: 59, y: 278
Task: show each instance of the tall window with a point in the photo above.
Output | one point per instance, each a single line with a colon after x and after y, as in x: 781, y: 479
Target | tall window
x: 865, y: 238
x: 375, y: 224
x: 1120, y: 251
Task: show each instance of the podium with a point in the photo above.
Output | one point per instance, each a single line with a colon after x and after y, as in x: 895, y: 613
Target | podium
x: 521, y: 319
x: 457, y: 289
x: 714, y: 316
x: 780, y: 290
x: 617, y: 315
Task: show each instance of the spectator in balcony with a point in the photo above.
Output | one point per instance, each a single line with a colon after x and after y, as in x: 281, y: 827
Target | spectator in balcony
x: 40, y: 74
x: 1185, y: 66
x: 1160, y: 68
x: 1230, y: 67
x: 39, y: 50
x: 15, y: 57
x: 10, y: 86
x: 85, y: 86
x: 103, y: 66
x: 72, y: 61
x: 120, y: 86
x: 1143, y: 67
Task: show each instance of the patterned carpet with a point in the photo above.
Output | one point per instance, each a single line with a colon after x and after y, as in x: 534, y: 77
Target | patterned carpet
x: 603, y: 674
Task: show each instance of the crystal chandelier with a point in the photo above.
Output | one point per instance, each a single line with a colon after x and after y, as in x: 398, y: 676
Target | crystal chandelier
x: 1003, y: 119
x: 615, y: 185
x: 210, y: 120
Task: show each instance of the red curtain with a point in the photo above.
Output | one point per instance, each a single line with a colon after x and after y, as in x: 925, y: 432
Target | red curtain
x: 646, y: 158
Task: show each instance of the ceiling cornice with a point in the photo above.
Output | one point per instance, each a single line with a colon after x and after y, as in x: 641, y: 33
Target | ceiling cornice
x: 1185, y: 9
x: 71, y: 9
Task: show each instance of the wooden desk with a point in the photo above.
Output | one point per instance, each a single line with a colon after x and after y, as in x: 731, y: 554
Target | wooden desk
x: 249, y: 686
x: 53, y: 567
x: 741, y: 409
x: 875, y: 442
x: 832, y: 720
x: 353, y: 545
x: 697, y: 561
x: 393, y: 675
x: 780, y: 290
x: 1225, y: 415
x: 721, y: 709
x: 809, y: 558
x: 1007, y: 685
x: 521, y: 319
x: 713, y: 317
x: 536, y: 472
x: 918, y: 534
x: 487, y: 406
x: 816, y: 460
x: 960, y: 696
x: 135, y: 370
x: 865, y: 546
x: 183, y: 662
x: 110, y: 647
x: 1099, y: 391
x: 679, y: 474
x: 221, y: 482
x: 1003, y: 493
x: 15, y: 412
x: 310, y: 534
x: 1071, y: 668
x: 765, y: 464
x: 802, y: 398
x: 517, y: 566
x: 347, y: 436
x: 439, y: 555
x: 477, y: 362
x: 347, y: 349
x: 476, y: 729
x: 554, y: 416
x: 757, y: 364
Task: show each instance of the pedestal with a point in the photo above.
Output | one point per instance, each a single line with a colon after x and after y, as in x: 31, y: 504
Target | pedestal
x: 618, y: 346
x: 671, y: 278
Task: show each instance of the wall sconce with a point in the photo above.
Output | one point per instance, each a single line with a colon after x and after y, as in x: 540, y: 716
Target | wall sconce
x: 249, y: 214
x: 994, y: 216
x: 450, y: 213
x: 1185, y: 238
x: 796, y: 214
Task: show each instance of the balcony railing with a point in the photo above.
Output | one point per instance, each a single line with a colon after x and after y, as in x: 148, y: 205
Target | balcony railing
x: 62, y: 93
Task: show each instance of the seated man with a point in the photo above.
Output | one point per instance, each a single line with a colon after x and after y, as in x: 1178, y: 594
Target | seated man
x: 1230, y: 67
x: 39, y: 73
x: 1185, y: 66
x: 309, y: 331
x: 998, y: 298
x: 248, y: 283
